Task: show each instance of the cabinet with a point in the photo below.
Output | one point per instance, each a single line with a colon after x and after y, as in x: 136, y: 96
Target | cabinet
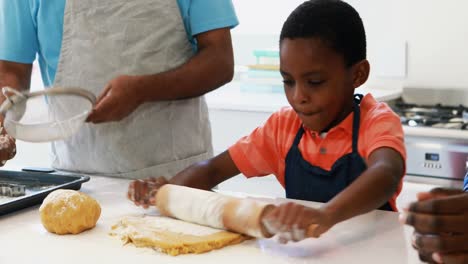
x: 227, y: 127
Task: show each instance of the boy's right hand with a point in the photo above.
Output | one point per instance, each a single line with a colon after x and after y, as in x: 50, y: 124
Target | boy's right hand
x: 294, y: 222
x: 143, y: 192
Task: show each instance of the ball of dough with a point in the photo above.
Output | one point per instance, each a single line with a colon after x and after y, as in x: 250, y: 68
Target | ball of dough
x: 69, y: 212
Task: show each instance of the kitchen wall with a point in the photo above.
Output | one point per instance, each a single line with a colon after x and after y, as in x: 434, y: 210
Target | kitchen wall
x: 410, y: 42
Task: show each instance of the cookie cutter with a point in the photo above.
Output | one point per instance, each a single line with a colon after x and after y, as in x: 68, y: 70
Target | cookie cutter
x: 12, y: 190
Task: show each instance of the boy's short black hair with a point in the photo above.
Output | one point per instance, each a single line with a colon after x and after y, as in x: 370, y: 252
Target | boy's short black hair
x: 333, y: 21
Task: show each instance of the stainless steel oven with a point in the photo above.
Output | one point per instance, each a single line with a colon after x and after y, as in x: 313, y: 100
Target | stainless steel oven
x: 435, y: 122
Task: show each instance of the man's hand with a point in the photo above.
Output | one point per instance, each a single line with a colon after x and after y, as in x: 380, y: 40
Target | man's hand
x: 119, y: 99
x: 143, y: 192
x: 18, y: 76
x: 295, y: 222
x: 7, y: 145
x: 439, y: 218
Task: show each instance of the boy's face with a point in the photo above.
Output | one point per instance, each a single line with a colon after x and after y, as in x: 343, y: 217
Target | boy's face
x: 317, y: 83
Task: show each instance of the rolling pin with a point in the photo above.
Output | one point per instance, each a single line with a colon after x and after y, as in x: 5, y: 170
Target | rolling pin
x: 216, y: 210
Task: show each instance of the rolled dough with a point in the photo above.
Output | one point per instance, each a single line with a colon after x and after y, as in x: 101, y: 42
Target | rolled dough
x: 172, y: 236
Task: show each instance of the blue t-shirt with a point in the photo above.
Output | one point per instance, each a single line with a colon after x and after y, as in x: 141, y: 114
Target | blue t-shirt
x: 30, y: 27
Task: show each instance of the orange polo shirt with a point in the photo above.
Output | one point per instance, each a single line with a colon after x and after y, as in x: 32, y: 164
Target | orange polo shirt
x: 264, y: 151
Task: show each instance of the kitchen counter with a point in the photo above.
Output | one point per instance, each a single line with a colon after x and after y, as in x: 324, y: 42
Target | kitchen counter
x: 376, y: 237
x: 230, y: 97
x: 456, y: 134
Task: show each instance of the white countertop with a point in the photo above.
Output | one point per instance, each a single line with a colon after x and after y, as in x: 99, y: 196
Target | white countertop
x: 230, y: 97
x: 436, y: 132
x: 376, y: 237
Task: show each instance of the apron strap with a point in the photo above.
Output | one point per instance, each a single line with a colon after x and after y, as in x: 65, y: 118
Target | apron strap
x: 356, y: 121
x: 298, y: 137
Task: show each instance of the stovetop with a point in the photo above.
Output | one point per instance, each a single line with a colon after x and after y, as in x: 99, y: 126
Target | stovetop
x: 435, y: 123
x: 437, y: 115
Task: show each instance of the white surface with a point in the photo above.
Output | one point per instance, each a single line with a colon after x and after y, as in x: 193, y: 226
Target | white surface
x: 391, y: 59
x: 381, y: 19
x: 432, y: 61
x: 266, y: 186
x: 376, y: 237
x: 228, y: 126
x: 229, y: 97
x: 435, y: 61
x: 436, y: 132
x: 409, y: 191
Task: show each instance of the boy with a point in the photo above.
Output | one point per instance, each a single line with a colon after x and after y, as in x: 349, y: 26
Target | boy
x: 329, y: 146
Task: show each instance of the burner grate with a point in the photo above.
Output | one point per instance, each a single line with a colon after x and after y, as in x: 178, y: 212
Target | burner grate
x: 438, y: 115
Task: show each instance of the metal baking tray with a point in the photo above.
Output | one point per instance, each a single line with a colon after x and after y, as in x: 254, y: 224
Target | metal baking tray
x: 37, y: 186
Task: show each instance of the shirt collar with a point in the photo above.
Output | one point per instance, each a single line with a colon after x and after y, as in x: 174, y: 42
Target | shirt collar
x: 346, y: 125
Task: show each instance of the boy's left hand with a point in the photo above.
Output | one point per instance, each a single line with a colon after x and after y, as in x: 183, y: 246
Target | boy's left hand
x: 143, y: 192
x: 441, y: 230
x: 295, y: 222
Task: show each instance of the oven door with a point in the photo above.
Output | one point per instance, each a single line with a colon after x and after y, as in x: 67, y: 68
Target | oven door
x: 445, y: 158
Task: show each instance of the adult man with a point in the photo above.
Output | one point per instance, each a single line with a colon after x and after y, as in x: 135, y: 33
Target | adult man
x: 149, y: 60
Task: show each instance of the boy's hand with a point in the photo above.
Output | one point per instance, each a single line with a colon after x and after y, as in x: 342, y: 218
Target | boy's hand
x: 143, y: 192
x: 295, y: 222
x: 441, y: 230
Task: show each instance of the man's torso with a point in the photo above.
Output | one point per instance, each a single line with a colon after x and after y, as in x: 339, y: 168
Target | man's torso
x: 35, y: 26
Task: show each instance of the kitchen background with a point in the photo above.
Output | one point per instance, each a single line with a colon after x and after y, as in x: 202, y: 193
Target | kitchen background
x: 411, y: 43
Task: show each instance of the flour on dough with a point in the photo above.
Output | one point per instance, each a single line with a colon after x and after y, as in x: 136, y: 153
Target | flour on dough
x: 172, y: 236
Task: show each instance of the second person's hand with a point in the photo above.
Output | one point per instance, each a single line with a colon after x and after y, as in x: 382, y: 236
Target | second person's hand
x: 441, y: 231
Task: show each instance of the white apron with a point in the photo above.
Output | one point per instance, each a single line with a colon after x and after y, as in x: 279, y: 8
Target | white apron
x: 106, y: 38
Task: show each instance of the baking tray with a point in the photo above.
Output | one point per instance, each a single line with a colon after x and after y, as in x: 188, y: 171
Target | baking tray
x: 38, y: 186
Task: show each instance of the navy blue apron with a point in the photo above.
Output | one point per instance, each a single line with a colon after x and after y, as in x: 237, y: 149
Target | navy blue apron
x: 305, y: 181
